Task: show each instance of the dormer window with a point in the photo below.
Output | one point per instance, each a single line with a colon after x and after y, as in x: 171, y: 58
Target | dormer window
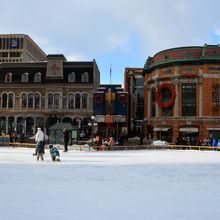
x: 71, y: 77
x: 37, y: 77
x: 24, y: 77
x: 8, y: 78
x: 85, y: 77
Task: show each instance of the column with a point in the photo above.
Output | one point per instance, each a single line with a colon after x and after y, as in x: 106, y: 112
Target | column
x: 149, y: 103
x: 6, y: 118
x: 177, y: 101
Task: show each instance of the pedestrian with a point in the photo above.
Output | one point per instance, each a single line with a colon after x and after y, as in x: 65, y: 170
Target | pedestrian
x: 40, y: 144
x: 66, y: 139
x: 54, y: 153
x: 111, y: 143
x: 21, y: 137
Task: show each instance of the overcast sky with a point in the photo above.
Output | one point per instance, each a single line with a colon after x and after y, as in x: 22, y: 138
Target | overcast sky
x: 122, y: 33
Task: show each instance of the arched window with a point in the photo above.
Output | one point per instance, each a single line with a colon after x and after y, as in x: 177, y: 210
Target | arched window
x: 71, y: 77
x: 24, y: 100
x: 70, y: 101
x: 36, y: 101
x: 85, y: 77
x: 4, y: 100
x: 30, y: 100
x: 8, y: 78
x: 56, y: 100
x: 50, y: 101
x: 11, y: 100
x: 37, y: 77
x: 77, y: 101
x: 24, y: 77
x: 84, y: 100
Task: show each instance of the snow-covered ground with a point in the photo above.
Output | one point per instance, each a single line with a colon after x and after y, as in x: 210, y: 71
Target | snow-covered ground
x: 116, y: 185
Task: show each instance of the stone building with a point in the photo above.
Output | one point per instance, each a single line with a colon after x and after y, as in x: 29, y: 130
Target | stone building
x: 19, y: 48
x: 134, y: 85
x: 182, y: 93
x: 38, y: 94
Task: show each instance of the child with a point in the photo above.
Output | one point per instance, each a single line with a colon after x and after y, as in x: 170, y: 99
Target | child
x: 54, y: 153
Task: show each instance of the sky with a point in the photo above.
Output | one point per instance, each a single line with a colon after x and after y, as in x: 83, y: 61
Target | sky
x: 115, y: 33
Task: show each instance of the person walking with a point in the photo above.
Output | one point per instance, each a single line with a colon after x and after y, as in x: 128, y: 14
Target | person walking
x: 66, y: 139
x: 39, y: 139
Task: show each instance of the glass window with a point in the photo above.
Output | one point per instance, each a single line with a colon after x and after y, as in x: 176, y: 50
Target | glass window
x: 24, y: 100
x: 84, y: 100
x: 8, y: 78
x: 37, y: 77
x: 71, y: 77
x: 11, y: 100
x: 37, y: 101
x: 56, y: 101
x: 4, y: 100
x: 189, y: 100
x: 24, y: 77
x: 30, y: 100
x: 77, y: 101
x: 70, y: 101
x: 50, y: 101
x: 85, y: 77
x: 139, y: 81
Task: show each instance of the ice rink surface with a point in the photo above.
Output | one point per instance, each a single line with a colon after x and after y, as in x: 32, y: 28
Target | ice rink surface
x: 116, y: 185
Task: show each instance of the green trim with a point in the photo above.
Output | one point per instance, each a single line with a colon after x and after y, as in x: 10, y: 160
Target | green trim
x: 184, y: 60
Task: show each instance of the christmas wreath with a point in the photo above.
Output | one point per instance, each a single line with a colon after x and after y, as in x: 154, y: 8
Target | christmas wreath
x: 98, y: 99
x: 122, y: 99
x: 158, y: 99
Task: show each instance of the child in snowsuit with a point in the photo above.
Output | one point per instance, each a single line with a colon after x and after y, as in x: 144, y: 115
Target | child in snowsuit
x: 54, y: 153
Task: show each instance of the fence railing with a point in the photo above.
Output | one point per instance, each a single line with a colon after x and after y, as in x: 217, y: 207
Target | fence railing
x: 128, y: 147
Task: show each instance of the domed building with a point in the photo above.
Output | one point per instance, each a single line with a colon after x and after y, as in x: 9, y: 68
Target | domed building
x: 181, y: 93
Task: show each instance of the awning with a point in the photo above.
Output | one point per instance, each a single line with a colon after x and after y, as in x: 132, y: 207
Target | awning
x: 189, y: 129
x: 213, y: 129
x: 162, y: 128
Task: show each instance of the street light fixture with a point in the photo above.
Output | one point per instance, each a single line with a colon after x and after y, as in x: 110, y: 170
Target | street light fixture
x: 92, y: 123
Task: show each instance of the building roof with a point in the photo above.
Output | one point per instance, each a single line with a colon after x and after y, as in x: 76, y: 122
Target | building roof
x: 183, y: 55
x: 61, y: 126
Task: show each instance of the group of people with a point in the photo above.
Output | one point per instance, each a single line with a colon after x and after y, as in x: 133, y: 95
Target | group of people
x: 39, y: 152
x: 102, y: 144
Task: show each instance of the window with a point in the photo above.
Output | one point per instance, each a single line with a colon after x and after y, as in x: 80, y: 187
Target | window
x: 214, y: 68
x: 50, y: 101
x: 11, y: 100
x: 189, y: 100
x: 214, y: 97
x: 71, y: 77
x: 37, y: 101
x: 24, y: 100
x: 165, y: 57
x: 77, y: 101
x: 214, y: 53
x: 85, y: 77
x: 56, y: 101
x: 30, y: 100
x: 153, y: 106
x: 8, y: 78
x: 70, y: 101
x: 188, y: 69
x: 188, y: 54
x: 4, y: 100
x: 37, y: 77
x: 53, y: 100
x: 24, y: 77
x: 167, y: 71
x: 84, y: 100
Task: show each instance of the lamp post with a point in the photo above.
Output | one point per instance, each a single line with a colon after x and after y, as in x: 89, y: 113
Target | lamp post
x: 92, y: 123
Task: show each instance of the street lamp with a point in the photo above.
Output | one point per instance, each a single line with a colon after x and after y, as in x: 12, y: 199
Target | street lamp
x: 92, y: 123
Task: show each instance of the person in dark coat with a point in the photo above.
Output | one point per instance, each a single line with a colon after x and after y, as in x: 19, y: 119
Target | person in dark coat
x: 66, y: 139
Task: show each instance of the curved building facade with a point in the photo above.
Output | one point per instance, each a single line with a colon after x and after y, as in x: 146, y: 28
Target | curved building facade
x: 181, y: 88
